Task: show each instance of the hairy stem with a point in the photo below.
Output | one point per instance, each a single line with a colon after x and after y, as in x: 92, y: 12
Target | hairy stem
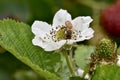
x: 69, y: 63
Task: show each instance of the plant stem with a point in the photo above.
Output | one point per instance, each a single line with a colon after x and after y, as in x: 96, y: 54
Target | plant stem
x: 69, y: 63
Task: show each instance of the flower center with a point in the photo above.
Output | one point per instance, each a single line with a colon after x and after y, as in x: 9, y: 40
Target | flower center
x: 60, y: 33
x: 64, y: 32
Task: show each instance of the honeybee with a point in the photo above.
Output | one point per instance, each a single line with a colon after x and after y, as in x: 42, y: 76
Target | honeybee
x: 68, y: 32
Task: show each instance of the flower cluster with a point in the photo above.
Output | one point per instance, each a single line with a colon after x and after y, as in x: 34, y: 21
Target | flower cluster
x: 63, y: 31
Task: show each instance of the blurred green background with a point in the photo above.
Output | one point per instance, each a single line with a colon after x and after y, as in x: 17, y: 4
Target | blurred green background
x: 29, y: 10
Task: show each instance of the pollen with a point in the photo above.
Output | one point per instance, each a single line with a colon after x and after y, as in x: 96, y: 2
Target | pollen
x: 65, y: 32
x: 60, y: 34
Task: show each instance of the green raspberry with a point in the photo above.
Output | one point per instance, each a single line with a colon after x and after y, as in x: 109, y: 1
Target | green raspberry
x: 105, y: 48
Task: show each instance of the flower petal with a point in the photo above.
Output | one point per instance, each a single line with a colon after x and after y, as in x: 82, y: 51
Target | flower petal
x: 80, y: 73
x: 71, y: 41
x: 51, y: 46
x: 61, y: 17
x: 48, y: 46
x: 87, y: 33
x: 38, y: 42
x: 45, y: 33
x: 118, y: 60
x: 81, y: 23
x: 41, y: 29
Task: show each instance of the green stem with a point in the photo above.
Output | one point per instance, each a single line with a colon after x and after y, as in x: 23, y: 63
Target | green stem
x: 69, y: 63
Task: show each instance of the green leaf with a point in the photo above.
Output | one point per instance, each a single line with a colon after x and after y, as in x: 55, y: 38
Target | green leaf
x: 118, y: 50
x: 17, y: 38
x: 107, y: 72
x: 82, y: 55
x: 26, y: 75
x: 2, y: 50
x: 62, y: 69
x: 76, y: 78
x: 4, y: 75
x: 8, y: 72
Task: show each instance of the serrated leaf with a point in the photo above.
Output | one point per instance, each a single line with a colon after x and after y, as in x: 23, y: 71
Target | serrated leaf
x: 82, y: 55
x: 17, y: 38
x: 107, y: 72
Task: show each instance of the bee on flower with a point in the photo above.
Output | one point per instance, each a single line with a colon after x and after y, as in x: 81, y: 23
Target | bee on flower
x: 63, y: 31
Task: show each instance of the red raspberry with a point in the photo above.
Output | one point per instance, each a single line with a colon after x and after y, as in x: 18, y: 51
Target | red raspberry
x: 110, y: 20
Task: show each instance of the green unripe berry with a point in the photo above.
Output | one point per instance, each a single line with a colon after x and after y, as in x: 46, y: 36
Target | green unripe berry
x: 105, y: 48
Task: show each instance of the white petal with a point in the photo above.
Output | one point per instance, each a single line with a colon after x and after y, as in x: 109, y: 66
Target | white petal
x: 81, y: 23
x: 87, y: 76
x: 71, y: 41
x: 61, y: 17
x: 38, y: 42
x: 39, y: 26
x: 80, y: 39
x: 80, y: 73
x: 87, y: 33
x: 118, y: 62
x: 51, y: 46
x: 48, y: 46
x: 41, y: 29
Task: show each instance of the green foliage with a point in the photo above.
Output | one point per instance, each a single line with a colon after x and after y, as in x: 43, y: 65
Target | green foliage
x: 26, y: 75
x: 82, y: 55
x: 107, y: 72
x: 62, y: 69
x: 118, y: 50
x: 2, y: 50
x: 17, y: 38
x: 76, y: 78
x: 15, y: 8
x: 11, y: 60
x: 40, y: 10
x: 18, y: 70
x: 107, y: 1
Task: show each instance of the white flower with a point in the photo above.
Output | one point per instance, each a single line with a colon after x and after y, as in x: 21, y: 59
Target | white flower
x: 80, y: 72
x: 64, y: 30
x: 118, y: 61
